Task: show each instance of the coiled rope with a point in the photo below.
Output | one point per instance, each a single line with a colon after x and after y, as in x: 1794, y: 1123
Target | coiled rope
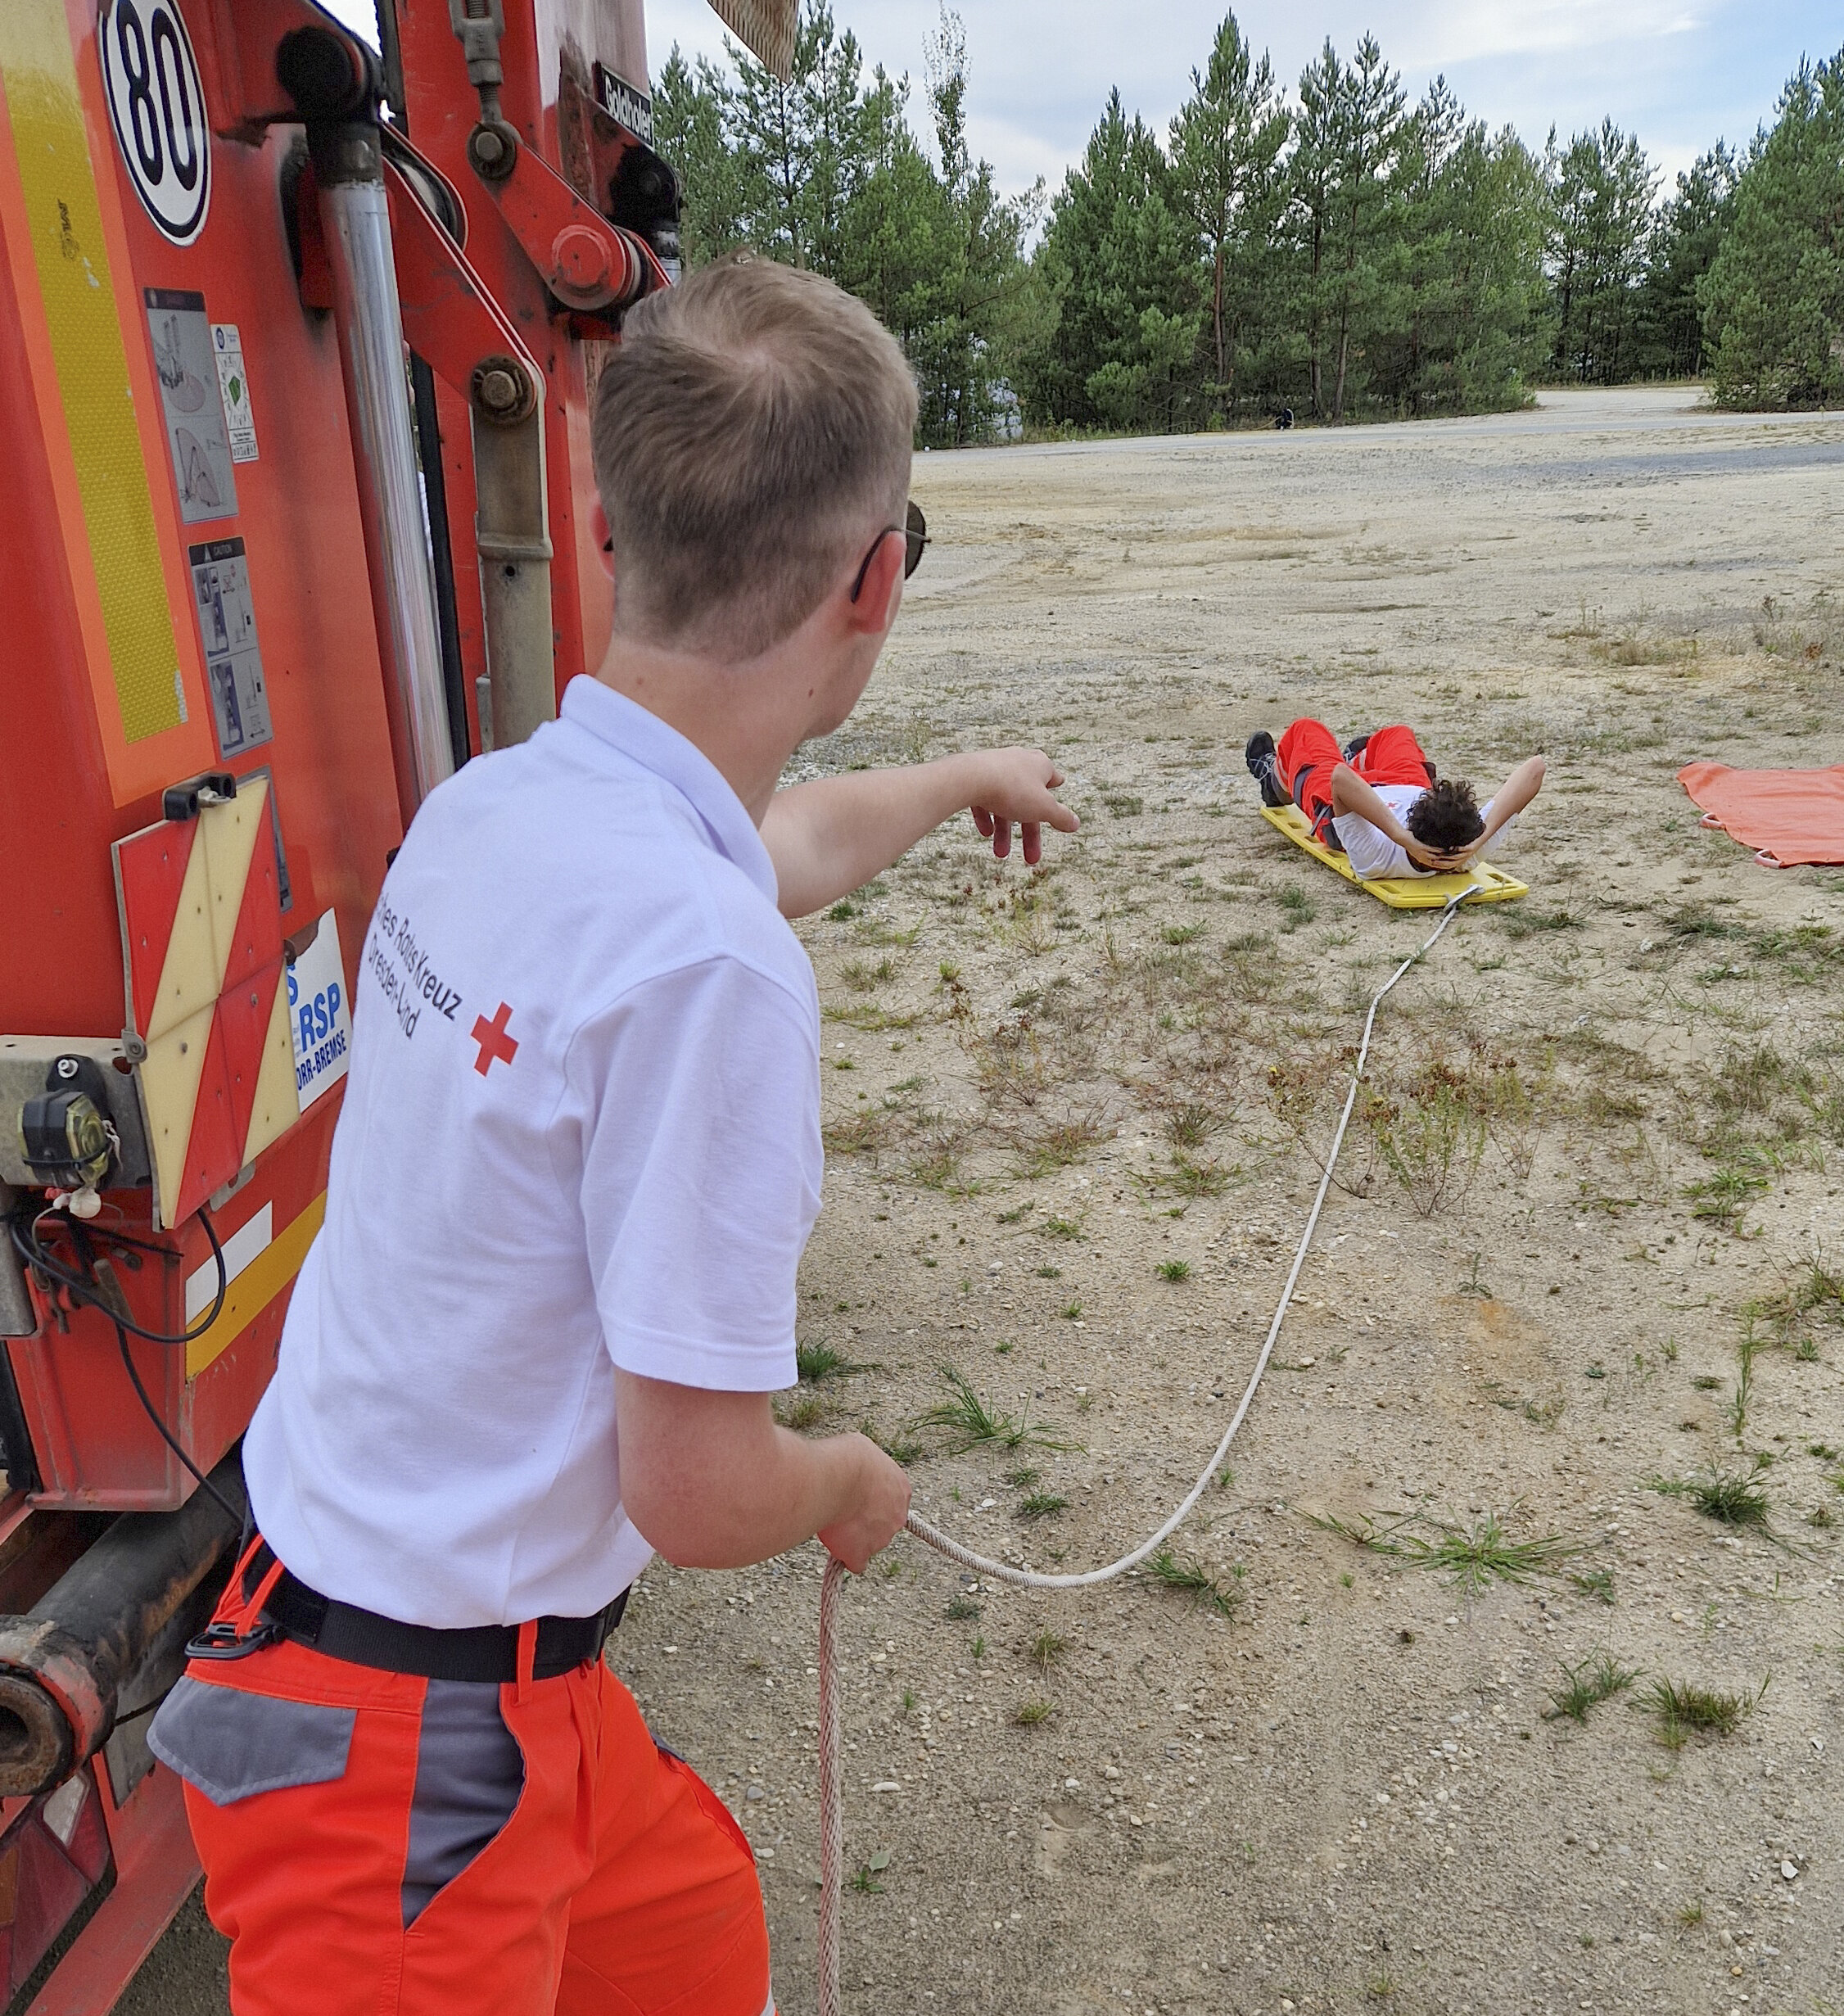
x: 832, y: 1820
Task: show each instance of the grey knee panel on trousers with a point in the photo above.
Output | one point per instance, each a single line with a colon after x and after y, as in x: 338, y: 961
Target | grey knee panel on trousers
x: 469, y: 1774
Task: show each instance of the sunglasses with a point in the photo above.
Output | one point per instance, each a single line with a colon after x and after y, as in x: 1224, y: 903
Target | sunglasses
x: 914, y: 531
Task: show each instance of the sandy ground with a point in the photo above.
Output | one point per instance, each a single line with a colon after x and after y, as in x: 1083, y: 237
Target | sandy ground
x: 1579, y: 1251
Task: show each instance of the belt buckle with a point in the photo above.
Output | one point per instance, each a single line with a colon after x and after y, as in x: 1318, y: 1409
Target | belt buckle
x: 223, y: 1640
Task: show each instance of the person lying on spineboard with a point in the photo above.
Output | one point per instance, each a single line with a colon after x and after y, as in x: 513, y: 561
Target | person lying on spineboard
x: 1378, y: 801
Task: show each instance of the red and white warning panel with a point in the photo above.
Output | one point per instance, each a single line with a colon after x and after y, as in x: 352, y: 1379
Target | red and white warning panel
x: 207, y: 994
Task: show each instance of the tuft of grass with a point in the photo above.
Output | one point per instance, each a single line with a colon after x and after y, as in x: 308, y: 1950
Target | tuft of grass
x: 1058, y: 1144
x: 871, y: 1019
x: 805, y: 1412
x: 1731, y: 1498
x: 865, y: 980
x: 971, y: 1424
x: 1191, y: 1178
x: 1063, y: 1228
x: 866, y: 1884
x: 817, y: 1361
x: 1174, y: 1270
x: 1597, y: 1679
x: 1041, y: 1504
x: 1071, y: 1311
x: 1814, y: 1294
x: 1046, y: 1648
x: 1474, y: 1556
x: 1431, y: 1137
x: 1022, y: 1480
x: 1724, y: 1199
x: 1680, y: 1707
x: 1182, y: 934
x: 1189, y: 1577
x: 1190, y: 1126
x: 962, y: 1609
x: 1690, y: 1915
x: 1595, y: 1582
x: 1030, y: 1714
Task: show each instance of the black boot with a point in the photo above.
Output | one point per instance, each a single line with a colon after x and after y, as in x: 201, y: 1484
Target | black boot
x: 1259, y: 757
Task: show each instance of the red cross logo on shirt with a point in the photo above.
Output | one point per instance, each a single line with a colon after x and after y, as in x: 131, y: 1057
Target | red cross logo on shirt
x: 496, y: 1046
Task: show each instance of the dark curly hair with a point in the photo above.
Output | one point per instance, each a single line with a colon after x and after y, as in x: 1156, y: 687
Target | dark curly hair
x: 1446, y: 817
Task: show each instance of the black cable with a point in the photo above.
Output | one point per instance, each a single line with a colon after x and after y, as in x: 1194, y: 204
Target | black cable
x: 88, y: 1290
x: 161, y: 1428
x: 31, y: 1249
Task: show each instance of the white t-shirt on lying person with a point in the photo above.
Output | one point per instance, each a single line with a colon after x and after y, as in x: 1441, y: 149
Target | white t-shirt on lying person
x: 1374, y: 857
x: 581, y: 1130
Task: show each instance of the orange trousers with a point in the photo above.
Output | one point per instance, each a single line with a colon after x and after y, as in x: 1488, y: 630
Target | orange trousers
x: 619, y: 1885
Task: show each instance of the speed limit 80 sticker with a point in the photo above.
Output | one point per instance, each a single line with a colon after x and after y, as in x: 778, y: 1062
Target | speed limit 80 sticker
x: 156, y: 105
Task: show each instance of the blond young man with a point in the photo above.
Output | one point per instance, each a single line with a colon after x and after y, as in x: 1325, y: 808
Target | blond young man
x: 537, y: 1337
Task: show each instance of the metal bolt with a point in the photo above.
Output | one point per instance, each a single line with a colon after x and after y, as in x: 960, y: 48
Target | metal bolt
x: 489, y: 148
x: 499, y: 391
x: 580, y: 260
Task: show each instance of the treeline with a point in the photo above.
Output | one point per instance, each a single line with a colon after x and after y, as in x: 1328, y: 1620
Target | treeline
x: 1338, y: 252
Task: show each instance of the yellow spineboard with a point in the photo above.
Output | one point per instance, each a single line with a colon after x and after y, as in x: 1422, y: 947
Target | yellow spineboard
x: 1493, y: 884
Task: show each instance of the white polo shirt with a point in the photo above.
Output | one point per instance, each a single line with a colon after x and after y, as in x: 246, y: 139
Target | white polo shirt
x: 581, y: 1130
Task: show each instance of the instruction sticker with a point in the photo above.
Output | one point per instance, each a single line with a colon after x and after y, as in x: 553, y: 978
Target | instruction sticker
x: 319, y: 1015
x: 233, y: 665
x: 195, y: 420
x: 233, y: 389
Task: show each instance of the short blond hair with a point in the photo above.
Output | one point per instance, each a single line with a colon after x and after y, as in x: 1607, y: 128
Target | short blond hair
x: 751, y: 427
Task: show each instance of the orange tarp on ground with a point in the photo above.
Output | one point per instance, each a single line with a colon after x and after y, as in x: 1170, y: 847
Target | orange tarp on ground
x: 1787, y: 817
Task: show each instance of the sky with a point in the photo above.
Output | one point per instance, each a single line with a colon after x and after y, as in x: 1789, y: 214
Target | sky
x: 1680, y: 73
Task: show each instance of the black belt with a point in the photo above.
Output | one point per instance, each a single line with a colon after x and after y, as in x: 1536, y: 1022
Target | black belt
x: 482, y: 1652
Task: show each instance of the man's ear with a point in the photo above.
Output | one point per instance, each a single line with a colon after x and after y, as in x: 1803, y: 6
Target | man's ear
x: 881, y: 595
x: 604, y: 541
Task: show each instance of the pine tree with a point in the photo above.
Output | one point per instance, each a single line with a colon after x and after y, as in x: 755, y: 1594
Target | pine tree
x: 1226, y: 148
x: 1774, y: 298
x: 1368, y: 135
x: 1687, y: 231
x: 1600, y: 188
x: 1464, y: 269
x: 1121, y: 268
x: 822, y: 171
x: 691, y: 112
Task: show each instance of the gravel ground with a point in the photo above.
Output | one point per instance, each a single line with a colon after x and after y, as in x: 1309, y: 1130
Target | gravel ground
x: 1583, y: 1248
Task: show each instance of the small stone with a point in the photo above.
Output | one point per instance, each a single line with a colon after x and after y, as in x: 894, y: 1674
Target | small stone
x: 1593, y: 1846
x: 1109, y: 1770
x: 887, y: 1785
x: 754, y: 1792
x: 1789, y: 1868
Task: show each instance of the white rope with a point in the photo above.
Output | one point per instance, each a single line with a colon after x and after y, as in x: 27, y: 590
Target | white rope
x: 832, y: 1838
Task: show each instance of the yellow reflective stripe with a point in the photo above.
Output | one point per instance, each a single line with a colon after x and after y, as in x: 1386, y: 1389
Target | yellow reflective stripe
x: 58, y: 181
x: 260, y: 1283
